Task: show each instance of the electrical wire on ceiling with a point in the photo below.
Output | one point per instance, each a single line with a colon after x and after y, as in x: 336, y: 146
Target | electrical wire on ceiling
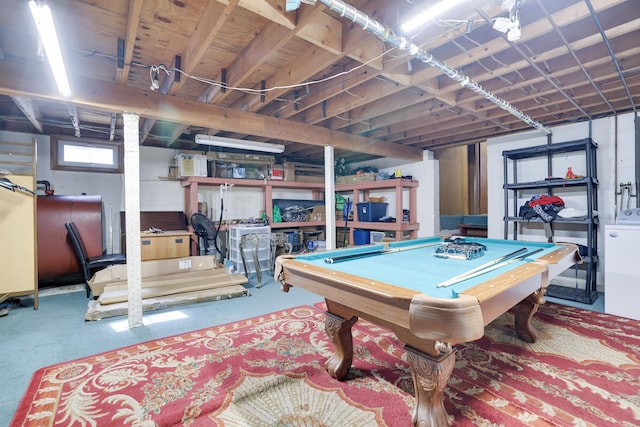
x: 154, y: 69
x: 605, y: 39
x: 385, y: 34
x: 557, y: 85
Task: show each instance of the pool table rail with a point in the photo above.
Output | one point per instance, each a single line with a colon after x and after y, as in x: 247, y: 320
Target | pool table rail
x: 378, y: 299
x: 454, y: 320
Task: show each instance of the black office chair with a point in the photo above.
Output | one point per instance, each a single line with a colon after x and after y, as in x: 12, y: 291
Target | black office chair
x: 90, y: 264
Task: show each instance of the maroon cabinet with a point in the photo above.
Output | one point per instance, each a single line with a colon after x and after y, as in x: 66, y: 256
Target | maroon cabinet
x: 56, y: 257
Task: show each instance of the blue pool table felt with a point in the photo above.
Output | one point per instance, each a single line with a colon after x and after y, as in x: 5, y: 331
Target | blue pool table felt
x: 418, y: 269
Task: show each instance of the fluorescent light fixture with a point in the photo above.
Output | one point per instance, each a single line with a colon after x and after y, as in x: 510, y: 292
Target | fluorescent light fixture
x: 47, y: 31
x: 242, y: 144
x: 510, y: 26
x: 428, y: 14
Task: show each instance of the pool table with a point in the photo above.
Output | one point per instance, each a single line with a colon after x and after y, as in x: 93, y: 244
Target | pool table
x: 396, y: 285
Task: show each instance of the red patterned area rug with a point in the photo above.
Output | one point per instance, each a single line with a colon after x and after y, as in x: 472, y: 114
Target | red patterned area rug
x: 268, y: 371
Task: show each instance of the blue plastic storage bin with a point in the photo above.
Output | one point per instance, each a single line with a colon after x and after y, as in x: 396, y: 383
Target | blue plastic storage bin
x: 371, y: 211
x: 361, y: 237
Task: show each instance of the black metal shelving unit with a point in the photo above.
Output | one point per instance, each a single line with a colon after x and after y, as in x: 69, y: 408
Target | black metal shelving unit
x: 589, y: 223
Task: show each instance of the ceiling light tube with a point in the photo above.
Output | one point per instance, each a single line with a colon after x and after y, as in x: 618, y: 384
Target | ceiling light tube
x: 241, y: 144
x: 44, y: 21
x: 428, y: 14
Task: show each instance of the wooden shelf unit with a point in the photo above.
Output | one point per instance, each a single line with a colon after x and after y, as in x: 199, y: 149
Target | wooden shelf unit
x: 192, y: 184
x: 361, y: 192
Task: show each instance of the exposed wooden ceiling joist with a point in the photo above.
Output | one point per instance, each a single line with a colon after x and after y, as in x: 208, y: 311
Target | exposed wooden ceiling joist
x: 323, y: 77
x: 112, y: 97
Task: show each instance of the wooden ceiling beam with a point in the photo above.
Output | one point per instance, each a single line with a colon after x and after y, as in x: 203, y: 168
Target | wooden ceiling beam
x: 364, y: 94
x: 271, y: 39
x: 320, y: 29
x: 468, y: 134
x: 26, y: 106
x: 356, y: 40
x: 549, y: 112
x: 271, y: 10
x: 28, y: 81
x: 394, y: 129
x: 133, y: 20
x: 573, y: 13
x: 312, y: 62
x: 395, y: 67
x: 561, y: 17
x: 558, y: 59
x: 208, y: 28
x: 497, y: 86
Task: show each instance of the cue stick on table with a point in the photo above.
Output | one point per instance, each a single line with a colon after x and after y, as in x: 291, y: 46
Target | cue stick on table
x: 465, y: 275
x: 383, y: 251
x: 475, y: 272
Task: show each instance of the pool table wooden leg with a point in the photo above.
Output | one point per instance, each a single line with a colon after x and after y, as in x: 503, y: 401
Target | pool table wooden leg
x: 430, y: 376
x: 524, y: 312
x: 339, y: 331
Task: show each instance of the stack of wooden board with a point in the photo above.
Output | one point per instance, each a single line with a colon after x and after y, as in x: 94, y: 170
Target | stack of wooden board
x: 165, y: 283
x: 303, y: 172
x: 360, y: 177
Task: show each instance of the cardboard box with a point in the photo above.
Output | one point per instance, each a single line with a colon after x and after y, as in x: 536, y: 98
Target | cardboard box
x: 277, y: 173
x: 191, y: 164
x: 318, y: 214
x: 361, y: 177
x: 154, y: 268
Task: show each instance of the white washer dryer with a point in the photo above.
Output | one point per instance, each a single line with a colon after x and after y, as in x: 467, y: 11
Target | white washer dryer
x: 622, y: 265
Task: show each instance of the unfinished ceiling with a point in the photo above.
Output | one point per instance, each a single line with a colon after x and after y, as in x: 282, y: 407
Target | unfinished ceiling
x: 310, y: 78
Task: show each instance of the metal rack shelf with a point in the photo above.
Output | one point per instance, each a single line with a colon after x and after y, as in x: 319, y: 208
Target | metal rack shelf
x: 589, y: 223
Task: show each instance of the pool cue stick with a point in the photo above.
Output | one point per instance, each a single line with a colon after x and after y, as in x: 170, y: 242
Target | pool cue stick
x: 488, y: 269
x: 345, y: 216
x: 339, y: 258
x: 462, y: 276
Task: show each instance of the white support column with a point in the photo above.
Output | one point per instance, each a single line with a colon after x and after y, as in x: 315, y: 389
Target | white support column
x: 132, y: 216
x: 329, y: 198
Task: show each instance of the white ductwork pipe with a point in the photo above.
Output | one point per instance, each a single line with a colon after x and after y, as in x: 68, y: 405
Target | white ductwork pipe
x: 385, y: 34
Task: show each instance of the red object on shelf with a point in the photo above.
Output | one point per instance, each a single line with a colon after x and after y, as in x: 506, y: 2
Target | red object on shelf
x: 570, y: 174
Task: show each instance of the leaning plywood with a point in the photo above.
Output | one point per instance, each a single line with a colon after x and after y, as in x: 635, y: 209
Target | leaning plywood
x: 97, y: 311
x: 219, y: 274
x: 154, y: 268
x: 173, y: 285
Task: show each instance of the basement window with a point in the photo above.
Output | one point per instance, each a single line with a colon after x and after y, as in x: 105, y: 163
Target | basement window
x: 86, y: 155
